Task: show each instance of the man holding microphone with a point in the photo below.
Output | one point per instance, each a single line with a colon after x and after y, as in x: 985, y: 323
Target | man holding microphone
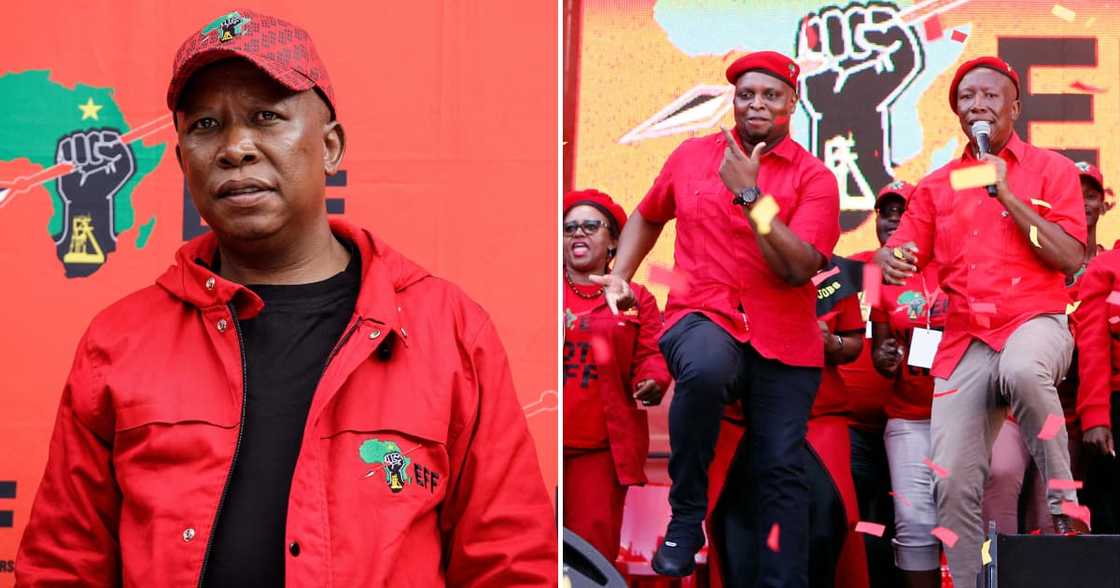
x: 1004, y: 252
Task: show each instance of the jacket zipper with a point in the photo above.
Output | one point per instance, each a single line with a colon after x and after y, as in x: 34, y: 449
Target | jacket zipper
x: 241, y: 429
x: 236, y: 448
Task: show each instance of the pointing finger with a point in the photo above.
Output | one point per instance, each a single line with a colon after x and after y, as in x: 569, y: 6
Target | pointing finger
x: 732, y: 144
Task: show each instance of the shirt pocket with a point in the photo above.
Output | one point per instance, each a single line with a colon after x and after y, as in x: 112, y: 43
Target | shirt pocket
x: 711, y: 198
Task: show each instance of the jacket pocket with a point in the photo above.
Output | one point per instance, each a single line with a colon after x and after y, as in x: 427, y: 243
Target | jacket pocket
x: 171, y: 410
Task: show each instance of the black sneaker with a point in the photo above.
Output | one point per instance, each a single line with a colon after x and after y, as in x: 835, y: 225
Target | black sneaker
x: 677, y: 559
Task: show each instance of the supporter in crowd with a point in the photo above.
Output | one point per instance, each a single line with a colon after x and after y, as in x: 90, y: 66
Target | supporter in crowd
x: 611, y: 364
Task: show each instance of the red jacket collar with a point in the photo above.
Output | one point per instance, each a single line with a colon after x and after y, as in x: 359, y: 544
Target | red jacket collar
x: 384, y: 273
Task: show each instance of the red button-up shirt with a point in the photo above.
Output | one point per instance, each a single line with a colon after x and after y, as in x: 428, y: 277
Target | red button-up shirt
x: 995, y: 282
x: 717, y: 254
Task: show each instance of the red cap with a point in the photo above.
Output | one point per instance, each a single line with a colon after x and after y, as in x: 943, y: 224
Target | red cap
x: 993, y: 63
x: 280, y: 49
x: 597, y: 199
x: 768, y: 62
x: 895, y: 188
x: 1088, y: 170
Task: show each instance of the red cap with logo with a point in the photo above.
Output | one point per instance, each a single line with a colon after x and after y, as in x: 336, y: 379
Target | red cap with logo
x: 768, y: 62
x: 896, y: 188
x: 280, y: 49
x: 1088, y: 170
x: 597, y: 199
x: 992, y: 63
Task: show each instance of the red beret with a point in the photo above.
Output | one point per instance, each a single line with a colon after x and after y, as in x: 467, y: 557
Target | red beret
x: 597, y: 199
x: 895, y: 188
x: 993, y: 63
x: 768, y: 62
x: 1088, y: 170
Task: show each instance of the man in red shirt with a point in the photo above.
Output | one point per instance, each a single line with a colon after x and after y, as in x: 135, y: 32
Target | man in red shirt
x: 741, y: 322
x: 1003, y: 258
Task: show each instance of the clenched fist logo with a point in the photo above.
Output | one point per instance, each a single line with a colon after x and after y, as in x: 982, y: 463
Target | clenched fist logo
x: 102, y: 164
x: 857, y: 60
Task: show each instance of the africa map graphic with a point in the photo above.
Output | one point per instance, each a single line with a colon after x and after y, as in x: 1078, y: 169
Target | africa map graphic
x: 78, y: 135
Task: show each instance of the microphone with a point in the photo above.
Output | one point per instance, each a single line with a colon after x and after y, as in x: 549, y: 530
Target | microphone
x: 982, y: 134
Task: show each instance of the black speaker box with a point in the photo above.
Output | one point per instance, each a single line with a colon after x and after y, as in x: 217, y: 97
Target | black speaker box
x: 1054, y: 561
x: 587, y: 568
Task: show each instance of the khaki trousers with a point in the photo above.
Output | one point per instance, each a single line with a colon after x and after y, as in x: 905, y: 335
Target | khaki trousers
x: 964, y: 425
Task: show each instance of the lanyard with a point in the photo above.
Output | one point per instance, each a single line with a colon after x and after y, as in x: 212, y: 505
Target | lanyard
x: 931, y: 298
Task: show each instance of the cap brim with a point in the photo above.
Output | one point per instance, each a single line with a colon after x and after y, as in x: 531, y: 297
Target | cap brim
x: 886, y: 195
x: 1094, y: 180
x: 285, y: 76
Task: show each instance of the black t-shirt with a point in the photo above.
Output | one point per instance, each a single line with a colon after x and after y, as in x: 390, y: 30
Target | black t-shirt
x: 286, y: 350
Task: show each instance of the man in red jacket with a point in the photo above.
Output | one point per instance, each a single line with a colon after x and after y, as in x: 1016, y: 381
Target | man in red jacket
x: 293, y: 403
x: 1022, y: 235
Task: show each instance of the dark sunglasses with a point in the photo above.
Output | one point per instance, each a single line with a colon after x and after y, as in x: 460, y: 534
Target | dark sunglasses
x: 590, y: 227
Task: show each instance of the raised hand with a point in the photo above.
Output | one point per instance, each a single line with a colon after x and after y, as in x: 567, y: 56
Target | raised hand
x: 738, y: 170
x: 617, y: 292
x: 102, y: 164
x: 863, y: 58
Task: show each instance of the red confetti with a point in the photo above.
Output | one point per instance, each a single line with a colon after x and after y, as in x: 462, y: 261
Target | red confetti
x: 1051, y: 427
x: 947, y: 536
x: 822, y: 276
x: 958, y: 36
x: 728, y: 55
x: 933, y: 28
x: 984, y: 307
x: 945, y: 393
x: 1114, y: 297
x: 1076, y: 511
x: 1087, y: 88
x: 939, y: 471
x: 903, y: 498
x: 1113, y: 320
x: 1064, y: 485
x: 1015, y: 281
x: 772, y: 540
x: 677, y: 281
x: 872, y: 279
x: 870, y: 528
x: 811, y: 35
x: 602, y: 350
x: 982, y: 320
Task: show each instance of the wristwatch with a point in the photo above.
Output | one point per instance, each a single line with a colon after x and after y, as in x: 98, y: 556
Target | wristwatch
x: 746, y: 196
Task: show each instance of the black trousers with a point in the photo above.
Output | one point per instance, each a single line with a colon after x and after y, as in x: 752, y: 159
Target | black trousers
x: 710, y: 368
x: 872, y: 476
x: 1102, y: 481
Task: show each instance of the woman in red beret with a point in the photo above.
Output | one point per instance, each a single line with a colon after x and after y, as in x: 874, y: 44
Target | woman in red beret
x: 611, y: 364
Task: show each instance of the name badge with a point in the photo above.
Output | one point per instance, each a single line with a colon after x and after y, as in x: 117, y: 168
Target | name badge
x: 923, y: 346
